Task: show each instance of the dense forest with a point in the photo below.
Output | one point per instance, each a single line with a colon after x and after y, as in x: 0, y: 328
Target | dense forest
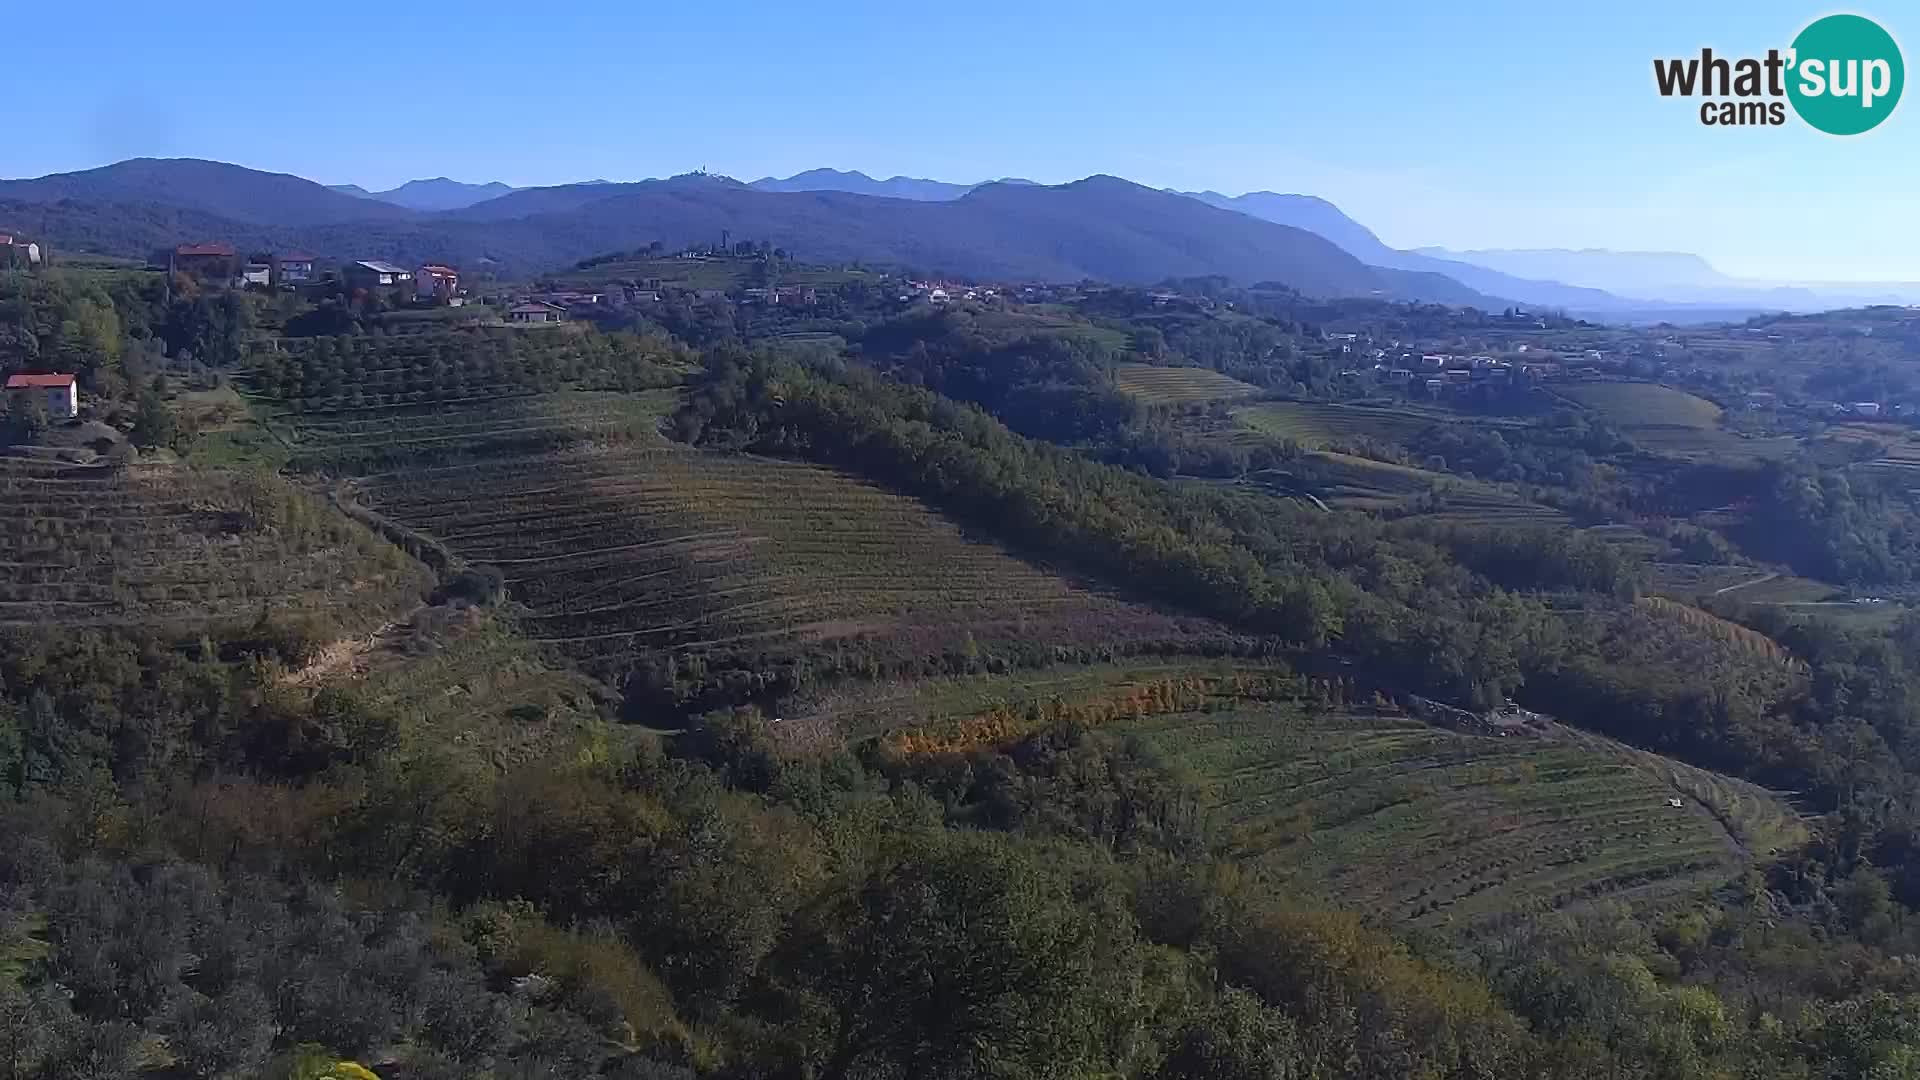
x: 217, y: 863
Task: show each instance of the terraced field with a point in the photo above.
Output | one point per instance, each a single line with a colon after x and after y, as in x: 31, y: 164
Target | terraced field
x: 661, y: 547
x: 1439, y: 829
x: 1899, y: 457
x: 172, y: 545
x: 1686, y: 580
x: 483, y: 425
x: 1316, y: 425
x: 1357, y: 483
x: 1629, y: 404
x: 1178, y: 385
x: 834, y: 715
x: 1673, y: 422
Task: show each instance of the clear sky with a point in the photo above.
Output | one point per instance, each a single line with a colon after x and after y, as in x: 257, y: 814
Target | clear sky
x: 1461, y: 125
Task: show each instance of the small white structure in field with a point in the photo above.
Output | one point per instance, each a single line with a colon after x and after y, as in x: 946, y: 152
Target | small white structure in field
x: 1675, y: 803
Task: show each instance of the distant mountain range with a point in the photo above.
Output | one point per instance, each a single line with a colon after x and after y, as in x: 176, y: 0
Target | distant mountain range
x: 1320, y: 216
x: 438, y: 193
x: 1103, y: 228
x: 1676, y: 277
x: 859, y: 183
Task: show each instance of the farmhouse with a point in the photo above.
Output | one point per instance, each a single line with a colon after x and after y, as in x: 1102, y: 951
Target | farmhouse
x: 436, y: 282
x: 536, y: 311
x: 56, y: 392
x: 373, y: 274
x: 200, y: 260
x: 18, y: 253
x: 292, y: 268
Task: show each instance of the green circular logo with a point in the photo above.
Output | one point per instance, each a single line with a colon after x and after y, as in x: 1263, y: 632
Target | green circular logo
x: 1846, y: 74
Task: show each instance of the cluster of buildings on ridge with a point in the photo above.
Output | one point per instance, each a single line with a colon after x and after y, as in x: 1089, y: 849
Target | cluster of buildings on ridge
x: 299, y: 271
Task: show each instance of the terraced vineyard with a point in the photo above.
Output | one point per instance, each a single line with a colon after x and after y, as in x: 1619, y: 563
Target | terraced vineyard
x: 1317, y: 425
x: 1673, y: 422
x: 1630, y: 404
x: 1899, y: 457
x: 170, y: 545
x: 1178, y: 385
x: 1357, y: 483
x: 1686, y: 580
x: 1434, y: 828
x: 661, y: 547
x: 376, y: 435
x: 834, y: 715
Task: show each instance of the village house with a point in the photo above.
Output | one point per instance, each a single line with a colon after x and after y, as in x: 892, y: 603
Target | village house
x: 56, y: 392
x: 372, y: 274
x: 572, y: 298
x: 536, y: 311
x: 292, y: 268
x: 258, y: 271
x: 210, y: 261
x: 18, y: 253
x: 436, y: 282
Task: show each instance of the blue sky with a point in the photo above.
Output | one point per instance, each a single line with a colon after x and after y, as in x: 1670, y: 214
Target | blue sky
x: 1478, y: 125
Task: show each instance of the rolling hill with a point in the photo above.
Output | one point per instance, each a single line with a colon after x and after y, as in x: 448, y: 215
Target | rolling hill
x: 210, y: 187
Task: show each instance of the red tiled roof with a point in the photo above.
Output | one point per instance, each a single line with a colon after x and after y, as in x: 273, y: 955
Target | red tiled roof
x: 436, y: 268
x: 36, y: 382
x: 204, y: 249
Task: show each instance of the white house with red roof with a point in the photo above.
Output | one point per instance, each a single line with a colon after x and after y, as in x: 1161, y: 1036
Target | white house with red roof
x: 56, y: 392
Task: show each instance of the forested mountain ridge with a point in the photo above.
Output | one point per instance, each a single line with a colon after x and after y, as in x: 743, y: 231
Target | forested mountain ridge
x: 1102, y: 227
x: 209, y: 187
